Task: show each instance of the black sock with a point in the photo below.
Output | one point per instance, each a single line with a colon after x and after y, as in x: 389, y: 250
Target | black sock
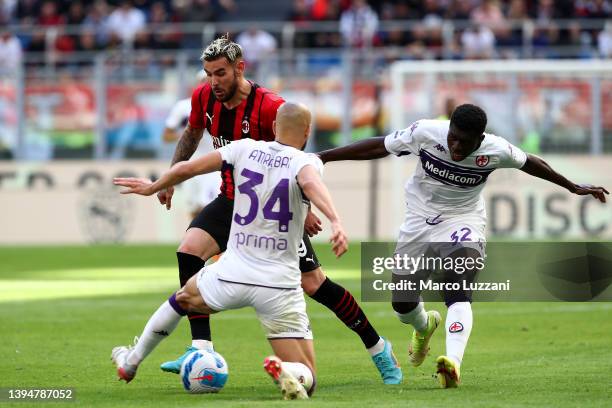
x: 189, y: 265
x: 343, y: 304
x: 200, y: 326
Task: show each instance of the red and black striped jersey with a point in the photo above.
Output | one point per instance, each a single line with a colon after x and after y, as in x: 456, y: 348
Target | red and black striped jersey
x: 252, y: 119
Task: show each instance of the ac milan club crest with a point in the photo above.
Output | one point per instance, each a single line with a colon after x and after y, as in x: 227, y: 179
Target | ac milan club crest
x: 455, y: 327
x: 245, y: 126
x: 482, y: 161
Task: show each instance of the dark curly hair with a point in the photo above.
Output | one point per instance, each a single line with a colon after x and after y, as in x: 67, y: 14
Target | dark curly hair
x: 470, y: 119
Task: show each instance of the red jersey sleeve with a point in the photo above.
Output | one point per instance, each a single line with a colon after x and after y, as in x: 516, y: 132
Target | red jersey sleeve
x: 271, y: 104
x: 196, y: 117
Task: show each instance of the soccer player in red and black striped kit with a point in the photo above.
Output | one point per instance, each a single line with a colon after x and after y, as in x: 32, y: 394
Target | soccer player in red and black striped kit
x: 230, y: 108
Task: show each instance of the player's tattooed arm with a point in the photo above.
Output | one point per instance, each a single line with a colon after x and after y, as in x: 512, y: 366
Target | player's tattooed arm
x: 368, y: 149
x: 537, y: 167
x: 187, y: 144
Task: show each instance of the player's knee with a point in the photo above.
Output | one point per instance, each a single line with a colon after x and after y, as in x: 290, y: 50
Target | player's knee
x: 311, y: 281
x: 188, y: 247
x: 404, y: 307
x: 199, y: 243
x: 183, y: 299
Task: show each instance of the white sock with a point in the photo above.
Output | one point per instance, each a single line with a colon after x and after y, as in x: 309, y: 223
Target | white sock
x: 160, y: 325
x: 416, y: 317
x: 301, y: 372
x: 377, y: 348
x: 202, y: 344
x: 458, y: 328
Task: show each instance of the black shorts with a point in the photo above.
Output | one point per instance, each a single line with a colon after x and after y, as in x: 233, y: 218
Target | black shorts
x: 216, y: 219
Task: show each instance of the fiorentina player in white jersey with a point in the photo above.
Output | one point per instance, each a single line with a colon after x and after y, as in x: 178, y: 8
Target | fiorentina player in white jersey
x: 445, y: 205
x: 275, y: 183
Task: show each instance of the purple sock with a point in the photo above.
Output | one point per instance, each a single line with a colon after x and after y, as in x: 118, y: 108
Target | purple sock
x: 177, y: 308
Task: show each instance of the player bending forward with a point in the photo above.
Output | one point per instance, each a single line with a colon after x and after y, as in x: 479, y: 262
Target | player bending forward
x: 260, y: 267
x: 444, y: 204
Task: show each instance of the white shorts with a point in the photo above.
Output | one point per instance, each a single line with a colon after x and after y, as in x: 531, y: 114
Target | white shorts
x: 201, y: 190
x: 281, y: 312
x: 448, y: 234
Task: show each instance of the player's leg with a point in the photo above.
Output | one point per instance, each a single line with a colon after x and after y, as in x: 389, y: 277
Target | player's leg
x: 207, y: 236
x: 410, y: 309
x: 459, y: 320
x: 345, y: 307
x: 160, y: 325
x: 282, y: 314
x: 197, y: 247
x: 295, y: 350
x: 407, y: 304
x: 461, y: 238
x: 190, y: 298
x: 292, y: 367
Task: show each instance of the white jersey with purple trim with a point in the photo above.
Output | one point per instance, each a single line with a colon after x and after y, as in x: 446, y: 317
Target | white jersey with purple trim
x: 441, y: 186
x: 269, y: 213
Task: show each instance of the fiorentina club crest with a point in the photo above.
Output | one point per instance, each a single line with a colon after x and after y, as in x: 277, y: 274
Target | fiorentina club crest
x: 456, y: 327
x: 245, y: 126
x: 482, y: 161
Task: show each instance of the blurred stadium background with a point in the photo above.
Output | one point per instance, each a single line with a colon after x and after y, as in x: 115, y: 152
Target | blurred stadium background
x: 85, y: 87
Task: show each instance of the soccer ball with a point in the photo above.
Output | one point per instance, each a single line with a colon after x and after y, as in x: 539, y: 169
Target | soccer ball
x: 203, y: 371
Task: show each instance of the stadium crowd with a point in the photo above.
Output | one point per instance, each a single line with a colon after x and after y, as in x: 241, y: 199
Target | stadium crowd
x: 485, y: 27
x: 486, y: 24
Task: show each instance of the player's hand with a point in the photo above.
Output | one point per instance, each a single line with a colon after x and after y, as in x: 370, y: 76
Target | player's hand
x: 165, y: 197
x: 338, y: 239
x: 312, y: 224
x: 587, y: 189
x: 134, y: 185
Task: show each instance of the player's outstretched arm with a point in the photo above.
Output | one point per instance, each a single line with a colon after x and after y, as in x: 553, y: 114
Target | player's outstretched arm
x: 368, y: 149
x: 186, y: 146
x: 537, y: 167
x: 309, y: 180
x: 178, y: 173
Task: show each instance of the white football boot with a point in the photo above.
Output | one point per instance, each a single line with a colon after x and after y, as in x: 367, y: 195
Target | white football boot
x: 119, y: 355
x: 290, y: 387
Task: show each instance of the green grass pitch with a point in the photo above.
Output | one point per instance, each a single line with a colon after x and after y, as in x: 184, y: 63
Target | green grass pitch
x: 62, y: 309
